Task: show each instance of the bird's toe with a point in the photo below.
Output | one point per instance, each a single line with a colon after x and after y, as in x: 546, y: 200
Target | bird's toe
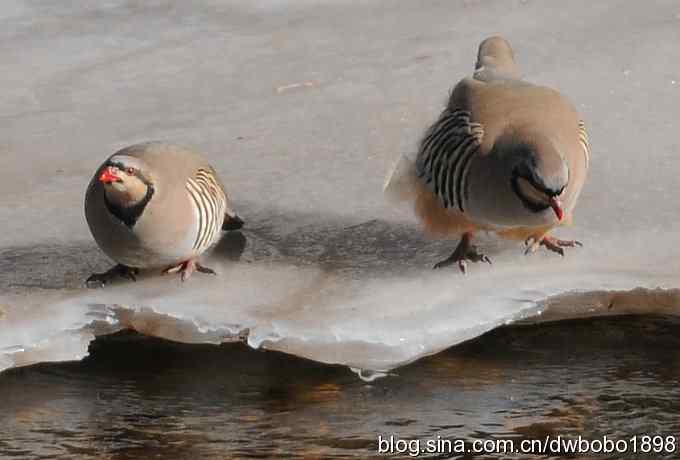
x: 441, y: 264
x: 203, y: 269
x: 95, y: 280
x: 118, y: 271
x: 462, y: 265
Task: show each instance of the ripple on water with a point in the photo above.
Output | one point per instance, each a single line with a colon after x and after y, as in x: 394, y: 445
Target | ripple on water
x: 148, y: 397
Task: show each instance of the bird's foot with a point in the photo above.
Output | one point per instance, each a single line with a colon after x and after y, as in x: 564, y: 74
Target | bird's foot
x: 187, y: 268
x: 464, y: 251
x: 120, y: 270
x: 551, y: 243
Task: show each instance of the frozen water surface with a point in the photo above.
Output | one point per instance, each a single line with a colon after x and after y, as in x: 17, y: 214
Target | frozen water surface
x: 302, y: 108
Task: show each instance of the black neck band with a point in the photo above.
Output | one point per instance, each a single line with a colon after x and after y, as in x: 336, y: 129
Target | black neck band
x: 130, y: 214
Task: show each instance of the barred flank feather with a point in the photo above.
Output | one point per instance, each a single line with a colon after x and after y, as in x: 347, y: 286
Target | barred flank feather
x: 445, y: 156
x: 583, y: 138
x: 209, y: 202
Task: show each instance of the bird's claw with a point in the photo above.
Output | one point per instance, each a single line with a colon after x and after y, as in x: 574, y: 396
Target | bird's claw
x: 187, y: 268
x: 475, y: 256
x: 532, y: 245
x: 463, y: 266
x: 102, y: 279
x: 95, y: 280
x: 464, y: 252
x: 551, y: 243
x: 442, y: 264
x: 202, y: 269
x: 175, y: 269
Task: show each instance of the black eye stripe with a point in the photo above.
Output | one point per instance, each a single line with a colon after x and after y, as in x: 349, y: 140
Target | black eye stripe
x: 536, y: 183
x: 116, y: 164
x: 137, y: 173
x: 528, y: 203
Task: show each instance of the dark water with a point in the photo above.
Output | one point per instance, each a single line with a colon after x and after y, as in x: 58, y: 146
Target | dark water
x: 137, y: 397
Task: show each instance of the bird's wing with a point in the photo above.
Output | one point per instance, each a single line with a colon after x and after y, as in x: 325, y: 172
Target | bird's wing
x: 209, y: 201
x: 446, y: 153
x: 583, y: 139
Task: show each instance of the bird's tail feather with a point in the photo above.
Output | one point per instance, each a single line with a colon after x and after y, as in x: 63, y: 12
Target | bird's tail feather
x: 401, y: 181
x: 232, y: 222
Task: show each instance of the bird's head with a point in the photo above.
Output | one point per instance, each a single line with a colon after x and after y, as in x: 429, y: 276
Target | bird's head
x: 539, y: 178
x: 126, y: 181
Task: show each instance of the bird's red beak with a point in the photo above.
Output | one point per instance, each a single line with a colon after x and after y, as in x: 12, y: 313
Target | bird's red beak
x: 108, y: 177
x: 557, y: 207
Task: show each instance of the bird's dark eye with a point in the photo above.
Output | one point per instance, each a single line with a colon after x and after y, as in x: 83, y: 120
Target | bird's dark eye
x: 130, y: 171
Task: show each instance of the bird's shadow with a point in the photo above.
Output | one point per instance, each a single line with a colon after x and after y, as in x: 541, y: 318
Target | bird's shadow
x: 334, y: 245
x: 231, y: 246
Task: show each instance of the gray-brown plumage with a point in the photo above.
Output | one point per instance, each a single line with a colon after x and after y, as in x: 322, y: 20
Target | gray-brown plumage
x: 505, y: 156
x: 156, y: 205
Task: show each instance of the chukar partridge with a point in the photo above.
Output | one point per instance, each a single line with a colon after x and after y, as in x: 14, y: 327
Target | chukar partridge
x: 156, y: 205
x: 505, y: 156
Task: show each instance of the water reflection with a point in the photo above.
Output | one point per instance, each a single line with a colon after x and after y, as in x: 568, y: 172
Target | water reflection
x: 137, y: 397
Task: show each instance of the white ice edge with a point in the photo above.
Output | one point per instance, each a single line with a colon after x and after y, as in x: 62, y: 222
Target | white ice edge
x: 371, y: 326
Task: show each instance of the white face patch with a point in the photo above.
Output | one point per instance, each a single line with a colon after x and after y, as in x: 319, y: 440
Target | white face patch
x: 116, y: 187
x: 129, y: 189
x: 126, y: 193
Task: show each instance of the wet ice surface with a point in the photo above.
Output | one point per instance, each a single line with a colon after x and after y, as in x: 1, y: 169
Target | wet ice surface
x: 302, y: 109
x: 334, y: 314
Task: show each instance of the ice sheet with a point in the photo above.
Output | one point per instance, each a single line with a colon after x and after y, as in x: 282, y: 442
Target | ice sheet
x: 302, y: 108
